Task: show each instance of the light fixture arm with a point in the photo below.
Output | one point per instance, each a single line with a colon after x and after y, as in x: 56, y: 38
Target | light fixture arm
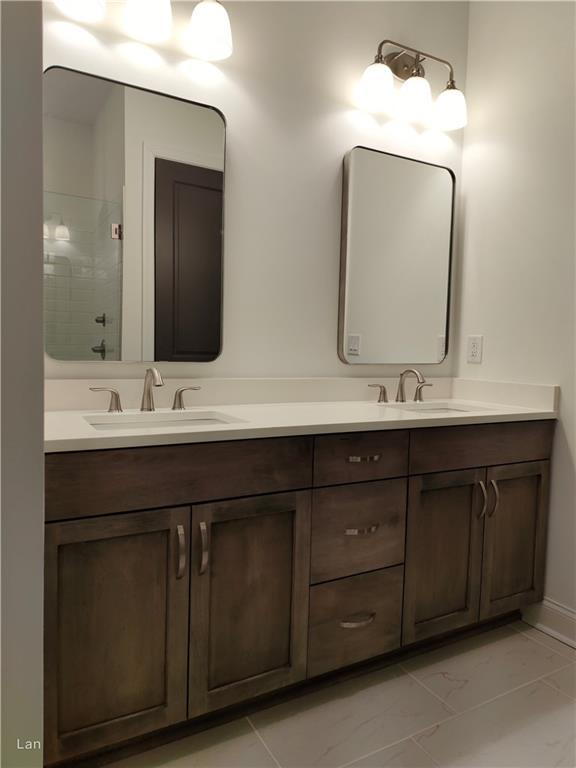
x: 419, y: 54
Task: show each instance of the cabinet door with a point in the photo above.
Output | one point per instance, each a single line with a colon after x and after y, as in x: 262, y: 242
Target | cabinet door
x: 116, y: 618
x: 249, y: 593
x: 515, y: 537
x: 443, y: 552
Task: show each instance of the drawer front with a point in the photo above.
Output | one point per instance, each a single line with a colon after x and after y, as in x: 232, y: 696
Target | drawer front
x: 354, y: 619
x: 357, y: 457
x: 444, y: 448
x: 357, y: 528
x: 89, y: 483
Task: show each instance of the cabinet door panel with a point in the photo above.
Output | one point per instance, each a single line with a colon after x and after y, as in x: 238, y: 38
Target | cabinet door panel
x: 515, y: 537
x: 249, y: 612
x: 443, y: 553
x: 116, y: 620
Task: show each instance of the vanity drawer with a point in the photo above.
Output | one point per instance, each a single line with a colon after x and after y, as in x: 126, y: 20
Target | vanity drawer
x: 354, y: 619
x: 439, y: 449
x: 357, y: 528
x: 91, y: 483
x: 360, y: 456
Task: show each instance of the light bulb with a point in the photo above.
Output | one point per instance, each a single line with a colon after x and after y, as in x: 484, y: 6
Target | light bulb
x: 148, y: 20
x: 450, y: 112
x: 209, y: 36
x: 415, y: 100
x: 61, y: 232
x: 82, y: 10
x: 375, y: 90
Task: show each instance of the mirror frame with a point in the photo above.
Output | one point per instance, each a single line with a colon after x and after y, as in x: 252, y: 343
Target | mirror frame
x: 185, y: 101
x: 344, y: 254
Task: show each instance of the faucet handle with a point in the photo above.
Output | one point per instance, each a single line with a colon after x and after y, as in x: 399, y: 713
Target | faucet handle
x: 178, y: 404
x: 115, y: 406
x: 383, y: 394
x: 418, y: 394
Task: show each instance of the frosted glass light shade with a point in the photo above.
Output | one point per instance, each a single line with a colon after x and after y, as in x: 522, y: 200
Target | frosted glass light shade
x: 209, y: 35
x: 450, y: 111
x: 149, y: 21
x: 61, y: 231
x: 375, y: 89
x: 82, y: 10
x: 415, y: 100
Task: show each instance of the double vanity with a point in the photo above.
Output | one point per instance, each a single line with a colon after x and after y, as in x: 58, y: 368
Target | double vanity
x: 197, y: 559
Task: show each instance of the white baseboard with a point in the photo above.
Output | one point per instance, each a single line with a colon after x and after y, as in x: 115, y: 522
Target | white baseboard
x: 555, y: 619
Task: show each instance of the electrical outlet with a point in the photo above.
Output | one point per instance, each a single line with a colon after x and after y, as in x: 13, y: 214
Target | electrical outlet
x: 475, y: 344
x: 353, y: 346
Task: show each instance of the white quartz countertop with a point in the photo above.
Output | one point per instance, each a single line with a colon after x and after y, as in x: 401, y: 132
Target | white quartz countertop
x: 72, y: 430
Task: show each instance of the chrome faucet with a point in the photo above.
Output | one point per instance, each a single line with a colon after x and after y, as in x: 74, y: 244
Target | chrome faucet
x: 401, y: 394
x: 153, y: 378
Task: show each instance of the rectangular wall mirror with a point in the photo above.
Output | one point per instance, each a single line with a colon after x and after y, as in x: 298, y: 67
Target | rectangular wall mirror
x: 133, y: 214
x: 396, y: 252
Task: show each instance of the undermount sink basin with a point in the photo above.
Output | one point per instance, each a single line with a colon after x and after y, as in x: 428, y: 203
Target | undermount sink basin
x: 159, y: 419
x: 436, y: 407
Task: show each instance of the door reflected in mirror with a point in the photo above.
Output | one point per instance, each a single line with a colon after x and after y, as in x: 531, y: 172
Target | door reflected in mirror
x: 133, y: 214
x: 395, y: 259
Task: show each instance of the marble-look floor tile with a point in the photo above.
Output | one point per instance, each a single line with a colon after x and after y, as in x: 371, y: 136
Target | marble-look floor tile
x: 541, y: 637
x: 406, y: 754
x: 532, y: 727
x: 472, y: 671
x: 234, y: 745
x: 339, y: 724
x: 564, y: 680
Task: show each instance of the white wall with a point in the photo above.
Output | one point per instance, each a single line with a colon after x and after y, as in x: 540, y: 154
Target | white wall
x: 518, y: 266
x: 287, y: 97
x: 21, y: 403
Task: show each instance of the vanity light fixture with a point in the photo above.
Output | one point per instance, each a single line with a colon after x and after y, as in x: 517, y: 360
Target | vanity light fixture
x: 149, y: 21
x: 414, y: 102
x: 61, y: 231
x: 209, y: 35
x: 89, y: 11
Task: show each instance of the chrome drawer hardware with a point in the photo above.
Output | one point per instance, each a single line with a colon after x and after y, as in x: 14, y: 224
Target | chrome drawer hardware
x: 205, y: 550
x: 358, y: 621
x: 361, y: 531
x: 181, y: 551
x: 494, y: 485
x: 482, y: 485
x: 364, y: 459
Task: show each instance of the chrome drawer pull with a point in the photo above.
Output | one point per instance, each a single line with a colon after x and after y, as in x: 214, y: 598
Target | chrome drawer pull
x: 494, y: 485
x: 181, y: 551
x: 205, y: 547
x: 358, y: 621
x: 361, y: 531
x: 364, y: 459
x: 482, y: 485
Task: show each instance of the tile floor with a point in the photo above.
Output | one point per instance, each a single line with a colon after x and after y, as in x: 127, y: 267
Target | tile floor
x: 503, y: 699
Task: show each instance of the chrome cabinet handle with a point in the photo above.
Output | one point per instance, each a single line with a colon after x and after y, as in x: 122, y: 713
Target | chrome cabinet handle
x: 361, y: 531
x: 358, y: 621
x: 364, y: 459
x: 494, y: 485
x: 115, y: 406
x: 181, y: 551
x: 482, y: 485
x: 205, y: 549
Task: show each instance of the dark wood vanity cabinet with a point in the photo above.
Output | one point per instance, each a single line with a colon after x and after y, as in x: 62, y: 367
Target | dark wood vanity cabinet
x: 266, y: 562
x: 116, y: 623
x: 249, y: 598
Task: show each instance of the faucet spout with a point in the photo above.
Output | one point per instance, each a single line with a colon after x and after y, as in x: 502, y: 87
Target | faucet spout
x: 401, y: 394
x: 153, y: 378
